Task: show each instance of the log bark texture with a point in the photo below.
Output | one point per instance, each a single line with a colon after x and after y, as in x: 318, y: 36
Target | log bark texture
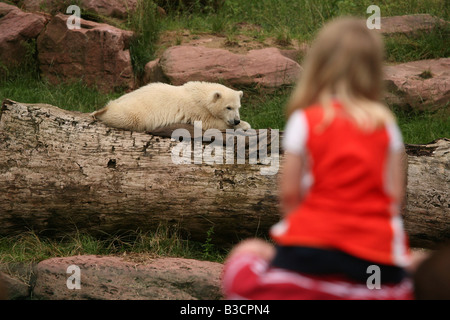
x: 426, y: 212
x: 62, y: 172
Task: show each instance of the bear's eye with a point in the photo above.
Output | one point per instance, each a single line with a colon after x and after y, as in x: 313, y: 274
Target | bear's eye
x: 229, y: 108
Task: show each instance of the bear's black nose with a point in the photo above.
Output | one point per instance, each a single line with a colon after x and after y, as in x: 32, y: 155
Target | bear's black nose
x: 236, y: 122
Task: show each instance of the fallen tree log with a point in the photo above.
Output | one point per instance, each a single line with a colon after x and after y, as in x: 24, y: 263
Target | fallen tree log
x: 426, y: 212
x: 63, y: 172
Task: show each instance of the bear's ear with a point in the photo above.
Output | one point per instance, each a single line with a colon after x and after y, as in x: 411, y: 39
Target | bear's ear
x: 216, y: 96
x: 241, y: 94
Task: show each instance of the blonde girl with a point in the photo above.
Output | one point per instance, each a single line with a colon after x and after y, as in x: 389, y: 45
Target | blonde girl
x: 342, y: 182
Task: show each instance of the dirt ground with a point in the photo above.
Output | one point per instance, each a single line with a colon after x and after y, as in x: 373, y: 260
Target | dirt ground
x: 239, y: 43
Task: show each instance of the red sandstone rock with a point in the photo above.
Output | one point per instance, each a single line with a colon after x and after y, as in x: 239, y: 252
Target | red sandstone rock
x: 17, y: 28
x: 113, y: 278
x: 153, y: 72
x: 109, y: 8
x: 266, y: 68
x: 423, y: 85
x: 97, y: 53
x: 12, y: 288
x: 409, y: 23
x: 6, y: 8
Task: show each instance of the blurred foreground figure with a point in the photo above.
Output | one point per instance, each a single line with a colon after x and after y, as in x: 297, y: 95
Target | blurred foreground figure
x: 432, y: 278
x: 343, y: 182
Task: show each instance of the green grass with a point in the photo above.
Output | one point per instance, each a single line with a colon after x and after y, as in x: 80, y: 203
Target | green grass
x: 300, y: 19
x: 30, y: 247
x: 267, y: 111
x: 419, y: 46
x: 264, y: 110
x: 423, y: 127
x: 27, y: 87
x: 146, y: 25
x: 19, y: 253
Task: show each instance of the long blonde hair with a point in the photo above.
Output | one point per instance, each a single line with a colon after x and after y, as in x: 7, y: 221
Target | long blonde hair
x: 344, y: 63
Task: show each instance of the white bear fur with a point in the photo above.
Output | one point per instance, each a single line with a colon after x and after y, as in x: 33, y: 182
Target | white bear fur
x: 158, y: 105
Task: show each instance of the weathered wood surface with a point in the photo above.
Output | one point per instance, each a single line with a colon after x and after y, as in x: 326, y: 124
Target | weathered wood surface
x: 427, y: 210
x: 62, y: 172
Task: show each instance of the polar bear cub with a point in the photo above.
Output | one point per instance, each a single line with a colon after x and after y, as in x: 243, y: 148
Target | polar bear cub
x: 158, y: 105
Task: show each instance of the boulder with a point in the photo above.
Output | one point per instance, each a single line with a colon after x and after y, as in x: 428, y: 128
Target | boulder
x: 263, y: 68
x: 153, y: 72
x: 110, y: 8
x: 97, y: 53
x: 421, y: 85
x: 6, y: 8
x: 42, y: 5
x: 119, y: 278
x: 12, y: 288
x: 408, y: 24
x: 17, y: 29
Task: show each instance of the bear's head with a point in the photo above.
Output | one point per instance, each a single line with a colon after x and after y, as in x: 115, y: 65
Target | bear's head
x: 225, y: 105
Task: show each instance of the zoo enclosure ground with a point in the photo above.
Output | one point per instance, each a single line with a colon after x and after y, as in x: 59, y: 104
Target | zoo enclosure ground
x: 240, y: 24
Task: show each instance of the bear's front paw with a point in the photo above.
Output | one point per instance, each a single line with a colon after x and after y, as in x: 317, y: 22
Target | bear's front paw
x: 243, y: 125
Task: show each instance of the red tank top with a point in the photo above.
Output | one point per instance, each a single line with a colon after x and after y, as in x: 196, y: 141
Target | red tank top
x: 347, y: 206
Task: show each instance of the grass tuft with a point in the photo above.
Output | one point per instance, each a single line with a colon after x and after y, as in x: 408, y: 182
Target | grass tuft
x: 423, y: 127
x: 145, y: 23
x: 30, y: 247
x: 27, y: 87
x: 422, y: 45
